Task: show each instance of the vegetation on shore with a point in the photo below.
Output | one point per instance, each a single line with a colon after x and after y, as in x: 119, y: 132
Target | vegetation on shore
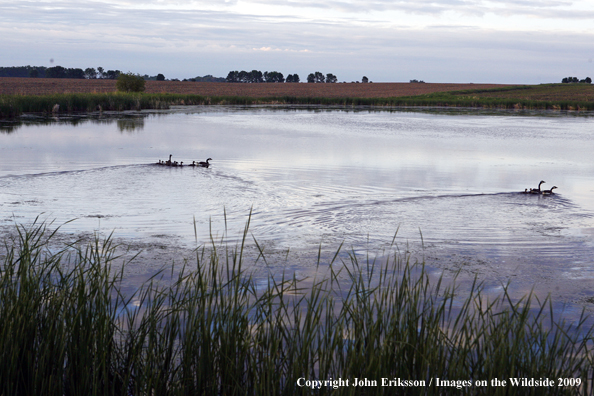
x: 551, y: 96
x: 67, y: 327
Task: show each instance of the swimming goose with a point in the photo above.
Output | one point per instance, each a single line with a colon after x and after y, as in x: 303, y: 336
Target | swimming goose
x: 193, y: 163
x: 550, y: 191
x: 537, y: 190
x: 205, y: 164
x: 169, y: 161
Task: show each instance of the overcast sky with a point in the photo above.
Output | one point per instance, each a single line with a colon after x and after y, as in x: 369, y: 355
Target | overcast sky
x: 497, y: 41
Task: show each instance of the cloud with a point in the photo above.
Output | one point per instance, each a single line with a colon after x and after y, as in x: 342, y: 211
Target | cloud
x: 539, y: 9
x: 185, y: 39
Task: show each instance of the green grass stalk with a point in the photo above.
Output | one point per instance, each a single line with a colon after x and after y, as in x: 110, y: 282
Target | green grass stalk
x: 552, y: 96
x: 66, y: 327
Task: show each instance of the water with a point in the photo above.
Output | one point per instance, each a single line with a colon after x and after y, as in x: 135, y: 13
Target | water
x: 446, y: 183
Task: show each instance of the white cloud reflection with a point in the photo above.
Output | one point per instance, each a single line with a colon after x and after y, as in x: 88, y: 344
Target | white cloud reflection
x: 522, y: 41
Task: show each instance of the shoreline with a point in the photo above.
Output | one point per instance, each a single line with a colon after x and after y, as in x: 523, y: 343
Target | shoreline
x: 60, y: 97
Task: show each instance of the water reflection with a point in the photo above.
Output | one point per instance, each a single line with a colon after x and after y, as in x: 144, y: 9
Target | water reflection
x: 130, y: 125
x: 132, y: 120
x: 316, y: 175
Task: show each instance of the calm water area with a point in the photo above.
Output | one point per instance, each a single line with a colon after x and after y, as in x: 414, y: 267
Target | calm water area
x: 447, y: 183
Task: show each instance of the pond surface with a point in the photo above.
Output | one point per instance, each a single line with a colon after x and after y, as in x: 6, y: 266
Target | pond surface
x: 447, y: 183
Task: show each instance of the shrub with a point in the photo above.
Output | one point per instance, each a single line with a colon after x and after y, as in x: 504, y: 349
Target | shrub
x: 128, y: 82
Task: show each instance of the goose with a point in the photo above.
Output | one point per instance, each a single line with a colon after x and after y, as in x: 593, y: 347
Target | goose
x: 539, y: 184
x: 205, y: 164
x: 550, y: 191
x: 537, y: 190
x: 193, y: 163
x: 169, y: 161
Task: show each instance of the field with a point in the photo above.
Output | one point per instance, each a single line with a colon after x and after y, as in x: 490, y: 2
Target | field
x: 48, y: 86
x: 546, y: 92
x: 43, y: 95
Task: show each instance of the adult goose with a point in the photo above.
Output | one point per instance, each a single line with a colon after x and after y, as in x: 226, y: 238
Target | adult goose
x: 537, y: 190
x: 205, y: 164
x: 547, y: 192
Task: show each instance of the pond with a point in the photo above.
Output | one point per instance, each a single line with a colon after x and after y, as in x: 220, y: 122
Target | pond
x: 445, y: 185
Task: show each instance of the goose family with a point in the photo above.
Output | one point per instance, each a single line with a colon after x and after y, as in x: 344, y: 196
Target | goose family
x: 539, y: 191
x: 169, y: 162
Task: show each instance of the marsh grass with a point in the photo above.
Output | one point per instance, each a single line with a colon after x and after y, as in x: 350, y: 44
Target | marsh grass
x: 67, y: 328
x: 551, y: 96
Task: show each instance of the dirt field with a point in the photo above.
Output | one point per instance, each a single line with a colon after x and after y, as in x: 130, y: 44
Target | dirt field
x: 44, y: 86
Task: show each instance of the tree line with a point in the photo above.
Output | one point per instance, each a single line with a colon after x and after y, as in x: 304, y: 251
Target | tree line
x: 256, y: 76
x: 568, y: 80
x: 58, y: 72
x: 88, y: 73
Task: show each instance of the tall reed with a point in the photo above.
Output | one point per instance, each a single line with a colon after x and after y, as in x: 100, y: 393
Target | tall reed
x: 67, y: 328
x: 15, y: 105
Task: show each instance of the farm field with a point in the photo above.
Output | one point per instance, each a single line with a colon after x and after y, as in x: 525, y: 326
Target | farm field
x: 545, y: 92
x: 48, y: 86
x: 29, y: 95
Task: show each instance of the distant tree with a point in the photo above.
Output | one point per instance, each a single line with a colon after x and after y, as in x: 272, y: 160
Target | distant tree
x: 75, y: 73
x: 160, y: 77
x: 128, y: 82
x: 33, y: 73
x: 244, y: 77
x: 62, y: 72
x: 293, y: 78
x: 55, y: 72
x: 274, y: 77
x: 319, y: 77
x: 571, y: 80
x: 255, y: 76
x: 331, y: 78
x: 588, y: 80
x: 311, y: 78
x: 112, y: 74
x: 364, y: 79
x: 207, y: 78
x: 100, y: 72
x: 233, y: 77
x: 90, y: 73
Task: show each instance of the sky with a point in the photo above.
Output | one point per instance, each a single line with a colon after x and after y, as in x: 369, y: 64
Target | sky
x: 440, y: 41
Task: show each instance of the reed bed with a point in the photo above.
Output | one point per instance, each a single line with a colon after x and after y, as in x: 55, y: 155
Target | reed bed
x: 15, y: 105
x: 67, y: 328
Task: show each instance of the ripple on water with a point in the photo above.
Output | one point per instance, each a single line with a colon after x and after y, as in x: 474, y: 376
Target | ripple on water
x: 326, y: 177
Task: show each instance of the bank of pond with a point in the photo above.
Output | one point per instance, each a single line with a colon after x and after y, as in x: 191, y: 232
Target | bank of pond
x: 12, y: 106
